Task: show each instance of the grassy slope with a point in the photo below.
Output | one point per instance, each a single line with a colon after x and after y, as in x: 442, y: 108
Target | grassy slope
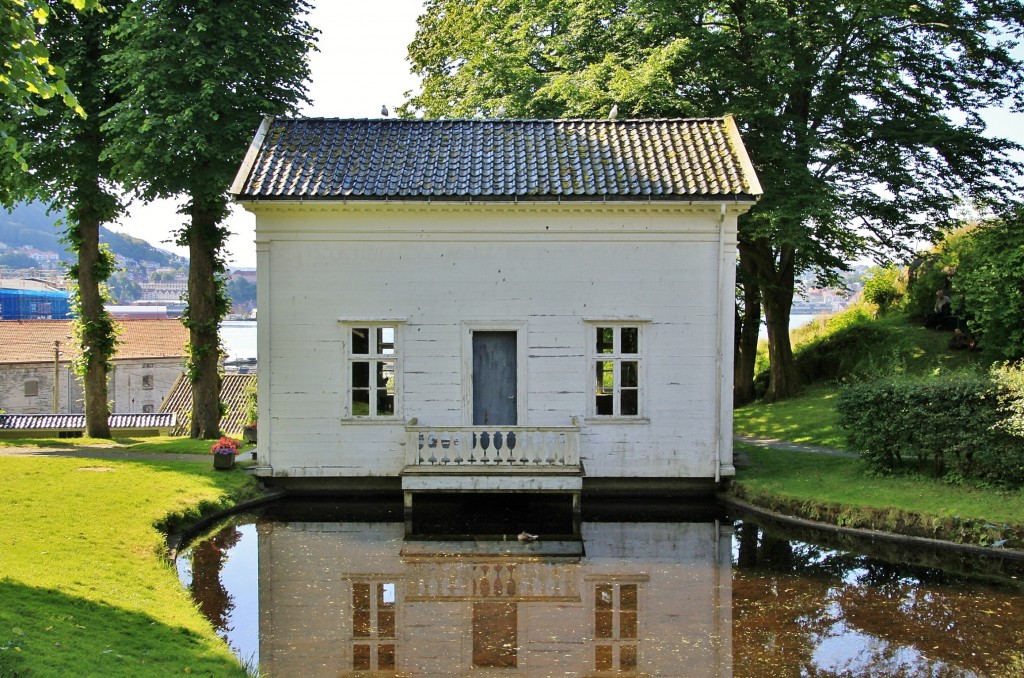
x: 85, y: 589
x: 835, y: 488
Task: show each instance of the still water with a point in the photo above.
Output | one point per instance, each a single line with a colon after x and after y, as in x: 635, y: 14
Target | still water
x: 328, y: 590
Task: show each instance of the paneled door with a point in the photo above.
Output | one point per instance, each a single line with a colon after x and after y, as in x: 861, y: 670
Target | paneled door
x: 494, y: 378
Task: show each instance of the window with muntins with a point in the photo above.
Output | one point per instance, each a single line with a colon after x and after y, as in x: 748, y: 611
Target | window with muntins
x: 616, y: 618
x: 372, y: 364
x: 373, y: 626
x: 616, y: 369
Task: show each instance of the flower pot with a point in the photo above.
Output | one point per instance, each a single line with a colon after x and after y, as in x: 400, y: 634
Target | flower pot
x: 223, y: 461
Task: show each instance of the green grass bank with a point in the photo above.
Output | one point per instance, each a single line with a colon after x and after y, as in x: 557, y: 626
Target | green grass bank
x: 85, y: 587
x: 833, y: 351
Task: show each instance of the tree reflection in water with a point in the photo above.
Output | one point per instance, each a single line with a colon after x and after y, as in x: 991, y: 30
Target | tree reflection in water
x: 801, y: 609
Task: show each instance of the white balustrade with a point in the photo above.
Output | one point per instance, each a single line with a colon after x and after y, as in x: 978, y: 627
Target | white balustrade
x: 455, y: 580
x: 493, y: 446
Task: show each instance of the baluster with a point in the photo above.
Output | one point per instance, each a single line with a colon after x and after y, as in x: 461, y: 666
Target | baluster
x: 499, y: 440
x: 485, y: 444
x: 431, y: 447
x: 522, y: 448
x: 457, y: 445
x: 559, y: 456
x: 446, y: 442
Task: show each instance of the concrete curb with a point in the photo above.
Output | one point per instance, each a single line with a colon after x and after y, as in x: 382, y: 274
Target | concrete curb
x: 185, y: 536
x: 1012, y: 555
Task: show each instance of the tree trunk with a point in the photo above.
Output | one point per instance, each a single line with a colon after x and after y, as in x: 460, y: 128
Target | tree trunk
x: 203, y: 320
x: 777, y: 276
x: 748, y: 327
x: 95, y: 323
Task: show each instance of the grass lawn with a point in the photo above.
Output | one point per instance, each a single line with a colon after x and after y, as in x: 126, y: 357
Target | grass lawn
x: 162, y: 444
x: 805, y: 484
x: 85, y: 589
x: 809, y: 418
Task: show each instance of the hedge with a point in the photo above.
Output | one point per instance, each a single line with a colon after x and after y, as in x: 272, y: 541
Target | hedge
x: 946, y: 426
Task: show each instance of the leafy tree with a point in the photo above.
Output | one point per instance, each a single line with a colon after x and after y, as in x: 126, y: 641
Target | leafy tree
x: 862, y: 119
x: 241, y: 291
x: 197, y: 76
x: 64, y: 149
x: 28, y: 77
x: 124, y: 289
x: 991, y: 279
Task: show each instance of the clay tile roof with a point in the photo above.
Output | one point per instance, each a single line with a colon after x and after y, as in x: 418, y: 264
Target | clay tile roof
x: 31, y: 341
x: 232, y: 394
x: 333, y: 159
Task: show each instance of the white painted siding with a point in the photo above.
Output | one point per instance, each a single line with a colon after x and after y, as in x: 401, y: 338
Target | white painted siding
x: 547, y: 268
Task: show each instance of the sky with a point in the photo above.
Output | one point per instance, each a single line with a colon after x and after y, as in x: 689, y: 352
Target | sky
x: 361, y: 65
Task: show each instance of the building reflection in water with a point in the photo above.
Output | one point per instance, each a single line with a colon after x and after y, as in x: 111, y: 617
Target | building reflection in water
x: 651, y: 599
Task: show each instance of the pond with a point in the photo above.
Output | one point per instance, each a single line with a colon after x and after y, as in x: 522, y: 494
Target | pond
x: 336, y: 590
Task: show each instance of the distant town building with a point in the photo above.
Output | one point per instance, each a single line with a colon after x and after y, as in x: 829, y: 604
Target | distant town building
x: 36, y: 366
x: 33, y: 300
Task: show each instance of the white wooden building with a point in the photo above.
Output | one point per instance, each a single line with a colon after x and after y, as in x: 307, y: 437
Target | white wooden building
x: 494, y: 306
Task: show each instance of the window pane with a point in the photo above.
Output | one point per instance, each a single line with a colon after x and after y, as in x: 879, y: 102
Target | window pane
x: 386, y: 624
x: 361, y: 623
x: 605, y: 339
x: 385, y: 657
x: 385, y: 595
x: 385, y: 404
x: 629, y: 376
x: 360, y: 375
x: 605, y: 376
x: 628, y: 402
x: 627, y: 624
x: 627, y: 658
x: 360, y: 402
x: 603, y: 596
x: 386, y: 375
x: 603, y: 624
x: 360, y: 596
x: 360, y: 340
x: 630, y: 340
x: 603, y: 658
x: 627, y: 597
x: 361, y: 657
x: 385, y: 340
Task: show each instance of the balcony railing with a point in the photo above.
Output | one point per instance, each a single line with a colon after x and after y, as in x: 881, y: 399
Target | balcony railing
x: 493, y: 446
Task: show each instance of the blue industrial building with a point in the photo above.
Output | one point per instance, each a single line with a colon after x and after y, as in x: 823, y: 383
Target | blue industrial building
x: 34, y: 305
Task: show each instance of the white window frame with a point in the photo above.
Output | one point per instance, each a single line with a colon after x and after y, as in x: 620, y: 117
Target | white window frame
x: 617, y: 357
x: 349, y: 324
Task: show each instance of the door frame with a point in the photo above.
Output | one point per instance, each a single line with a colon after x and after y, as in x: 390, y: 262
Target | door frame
x: 517, y: 326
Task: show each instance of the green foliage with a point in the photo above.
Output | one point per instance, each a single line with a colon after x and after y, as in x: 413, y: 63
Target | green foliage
x: 885, y: 287
x: 97, y: 335
x: 943, y: 425
x: 241, y: 291
x: 1009, y: 379
x: 991, y: 279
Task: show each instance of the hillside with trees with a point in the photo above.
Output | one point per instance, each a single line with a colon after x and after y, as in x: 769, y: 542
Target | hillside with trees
x: 28, y: 225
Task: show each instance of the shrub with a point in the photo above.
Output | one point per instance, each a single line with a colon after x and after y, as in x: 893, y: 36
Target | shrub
x: 947, y: 426
x: 885, y: 287
x: 991, y: 278
x: 1009, y: 378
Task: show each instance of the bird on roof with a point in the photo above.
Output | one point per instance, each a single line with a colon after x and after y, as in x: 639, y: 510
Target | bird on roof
x: 614, y: 112
x: 525, y: 536
x: 384, y: 110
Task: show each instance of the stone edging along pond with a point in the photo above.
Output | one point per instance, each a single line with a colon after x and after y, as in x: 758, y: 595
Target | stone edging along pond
x: 1012, y: 555
x: 791, y: 516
